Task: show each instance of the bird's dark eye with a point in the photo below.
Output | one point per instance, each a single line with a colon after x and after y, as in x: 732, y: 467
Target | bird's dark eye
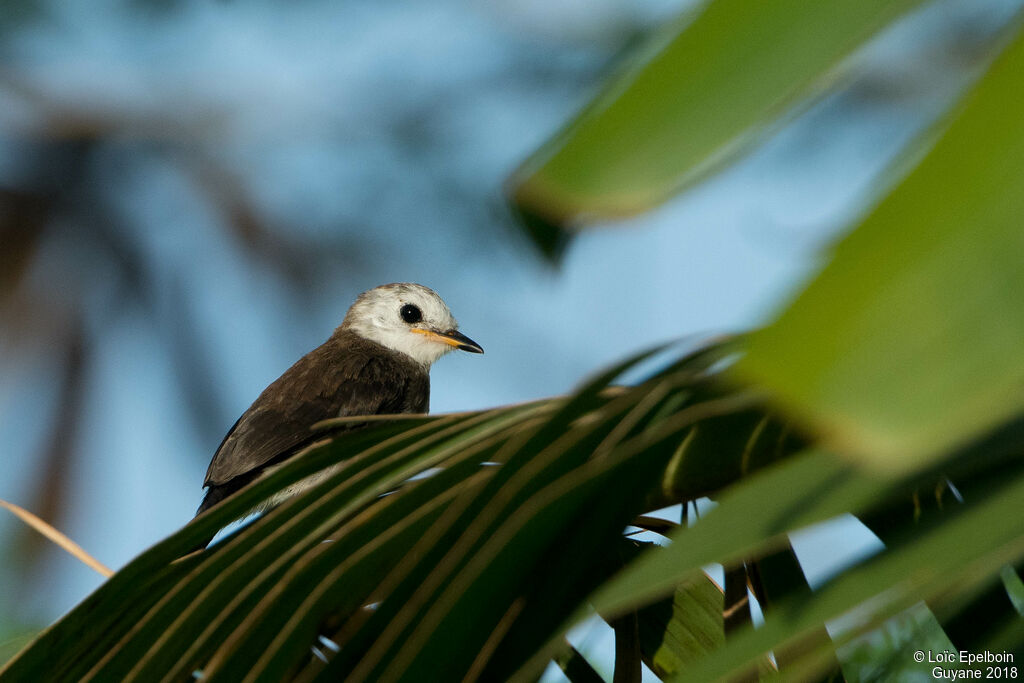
x: 411, y: 314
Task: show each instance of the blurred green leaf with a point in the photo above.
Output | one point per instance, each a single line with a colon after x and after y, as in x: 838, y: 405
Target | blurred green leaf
x: 775, y: 578
x: 680, y: 629
x: 888, y: 651
x: 487, y: 568
x: 511, y: 492
x: 974, y: 621
x: 723, y: 449
x: 940, y: 566
x: 1014, y: 588
x: 694, y: 98
x: 13, y: 638
x: 752, y: 518
x: 909, y: 341
x: 465, y: 546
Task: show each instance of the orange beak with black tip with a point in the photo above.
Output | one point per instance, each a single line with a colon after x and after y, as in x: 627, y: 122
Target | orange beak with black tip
x: 451, y: 338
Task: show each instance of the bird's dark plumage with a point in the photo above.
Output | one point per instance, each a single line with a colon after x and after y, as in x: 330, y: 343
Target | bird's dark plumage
x: 346, y: 375
x: 376, y: 363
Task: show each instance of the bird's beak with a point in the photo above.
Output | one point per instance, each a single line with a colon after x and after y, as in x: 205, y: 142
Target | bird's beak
x: 451, y: 338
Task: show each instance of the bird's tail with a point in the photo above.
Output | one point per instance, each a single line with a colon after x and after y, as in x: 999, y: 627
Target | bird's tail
x: 214, y: 495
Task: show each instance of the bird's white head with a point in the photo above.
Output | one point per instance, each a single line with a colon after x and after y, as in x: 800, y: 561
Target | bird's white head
x: 408, y: 318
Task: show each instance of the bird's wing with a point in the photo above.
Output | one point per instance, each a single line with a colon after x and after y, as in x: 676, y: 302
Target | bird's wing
x: 317, y: 387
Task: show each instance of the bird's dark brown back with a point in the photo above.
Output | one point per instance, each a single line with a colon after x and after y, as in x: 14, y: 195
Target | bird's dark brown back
x: 345, y: 376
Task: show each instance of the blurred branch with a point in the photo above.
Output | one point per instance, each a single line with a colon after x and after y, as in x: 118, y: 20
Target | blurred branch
x: 628, y: 662
x: 56, y: 459
x: 57, y: 537
x: 736, y: 611
x: 22, y: 217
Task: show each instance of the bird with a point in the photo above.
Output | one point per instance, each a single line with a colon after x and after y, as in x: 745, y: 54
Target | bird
x: 376, y: 362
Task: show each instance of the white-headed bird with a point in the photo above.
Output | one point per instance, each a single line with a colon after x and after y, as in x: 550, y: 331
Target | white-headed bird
x: 377, y: 362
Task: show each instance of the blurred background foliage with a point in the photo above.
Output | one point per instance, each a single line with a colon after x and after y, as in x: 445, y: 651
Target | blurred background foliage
x: 191, y: 194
